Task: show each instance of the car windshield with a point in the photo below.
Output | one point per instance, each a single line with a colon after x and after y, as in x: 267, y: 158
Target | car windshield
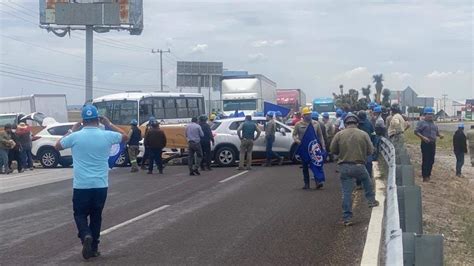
x: 7, y: 119
x: 232, y: 105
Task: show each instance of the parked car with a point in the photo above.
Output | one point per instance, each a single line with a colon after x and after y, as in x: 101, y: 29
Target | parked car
x: 43, y: 146
x: 227, y: 143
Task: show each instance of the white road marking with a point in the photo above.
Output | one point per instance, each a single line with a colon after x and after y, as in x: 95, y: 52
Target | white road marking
x: 113, y: 228
x: 234, y: 176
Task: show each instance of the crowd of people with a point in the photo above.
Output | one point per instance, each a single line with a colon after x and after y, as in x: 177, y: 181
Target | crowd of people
x: 15, y: 145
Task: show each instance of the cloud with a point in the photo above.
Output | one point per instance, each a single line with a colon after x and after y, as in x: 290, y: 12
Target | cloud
x: 267, y: 43
x: 199, y: 48
x: 258, y: 57
x: 401, y: 75
x: 437, y: 74
x: 356, y: 72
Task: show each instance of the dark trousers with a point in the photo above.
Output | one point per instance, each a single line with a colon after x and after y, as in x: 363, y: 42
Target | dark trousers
x: 206, y: 154
x: 428, y: 151
x: 269, y: 148
x: 15, y: 155
x: 27, y: 158
x: 89, y: 203
x: 194, y: 155
x: 155, y: 156
x: 146, y: 155
x: 459, y: 161
x: 305, y: 173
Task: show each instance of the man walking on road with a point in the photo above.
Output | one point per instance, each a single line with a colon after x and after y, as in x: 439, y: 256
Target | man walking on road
x: 427, y: 131
x: 155, y: 140
x: 270, y: 130
x: 470, y: 138
x: 206, y: 140
x: 134, y: 136
x: 460, y: 147
x: 90, y: 151
x: 352, y: 146
x: 193, y: 135
x: 298, y: 134
x: 246, y: 133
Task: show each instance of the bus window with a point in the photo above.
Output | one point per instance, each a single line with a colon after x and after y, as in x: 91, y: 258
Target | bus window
x: 201, y: 106
x: 158, y: 110
x: 193, y: 107
x: 127, y: 111
x: 146, y: 110
x: 170, y: 108
x: 182, y: 108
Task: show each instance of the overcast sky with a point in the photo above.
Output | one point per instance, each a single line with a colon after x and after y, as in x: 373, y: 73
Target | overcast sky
x: 312, y: 45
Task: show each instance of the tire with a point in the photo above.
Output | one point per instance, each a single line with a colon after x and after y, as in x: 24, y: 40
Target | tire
x: 225, y: 156
x: 49, y: 158
x: 122, y: 160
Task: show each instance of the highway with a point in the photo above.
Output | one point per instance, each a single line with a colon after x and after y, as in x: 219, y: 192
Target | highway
x: 221, y: 217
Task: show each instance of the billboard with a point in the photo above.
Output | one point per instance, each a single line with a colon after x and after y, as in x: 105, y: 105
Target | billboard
x: 199, y: 74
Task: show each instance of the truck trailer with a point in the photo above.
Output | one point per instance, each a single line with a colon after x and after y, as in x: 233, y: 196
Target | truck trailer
x: 293, y: 99
x: 247, y: 93
x: 51, y: 105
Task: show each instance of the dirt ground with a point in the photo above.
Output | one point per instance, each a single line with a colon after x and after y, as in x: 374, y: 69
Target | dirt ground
x: 448, y: 204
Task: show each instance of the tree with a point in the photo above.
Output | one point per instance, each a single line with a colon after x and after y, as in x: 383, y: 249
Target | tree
x: 386, y: 97
x: 378, y: 79
x: 349, y: 101
x: 366, y: 92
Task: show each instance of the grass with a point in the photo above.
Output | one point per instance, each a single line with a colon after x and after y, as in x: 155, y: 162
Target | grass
x: 445, y: 143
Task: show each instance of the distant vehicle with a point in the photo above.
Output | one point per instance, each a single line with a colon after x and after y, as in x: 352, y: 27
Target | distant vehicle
x: 36, y: 120
x: 166, y: 107
x: 227, y: 143
x: 293, y: 99
x: 51, y: 105
x: 43, y: 146
x: 322, y: 105
x: 247, y: 93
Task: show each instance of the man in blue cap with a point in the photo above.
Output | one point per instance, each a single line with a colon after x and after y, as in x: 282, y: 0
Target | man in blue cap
x: 427, y: 131
x: 134, y: 137
x: 460, y: 148
x: 90, y: 147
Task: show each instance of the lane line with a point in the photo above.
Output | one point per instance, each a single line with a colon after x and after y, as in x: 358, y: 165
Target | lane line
x: 234, y: 176
x: 113, y: 228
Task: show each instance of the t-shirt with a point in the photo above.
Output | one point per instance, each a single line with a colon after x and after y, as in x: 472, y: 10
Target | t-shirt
x: 352, y: 145
x: 428, y: 129
x: 90, y: 152
x: 397, y: 125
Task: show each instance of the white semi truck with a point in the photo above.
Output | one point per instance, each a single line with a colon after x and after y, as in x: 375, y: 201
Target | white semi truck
x: 247, y: 93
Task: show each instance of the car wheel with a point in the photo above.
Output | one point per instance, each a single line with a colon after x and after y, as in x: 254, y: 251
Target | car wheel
x: 226, y: 156
x: 49, y: 158
x: 122, y: 160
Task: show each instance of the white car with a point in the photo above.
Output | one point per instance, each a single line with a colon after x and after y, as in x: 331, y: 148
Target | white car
x: 43, y: 146
x: 227, y: 143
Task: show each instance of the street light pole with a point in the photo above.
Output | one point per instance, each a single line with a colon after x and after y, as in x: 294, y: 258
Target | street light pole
x: 160, y: 51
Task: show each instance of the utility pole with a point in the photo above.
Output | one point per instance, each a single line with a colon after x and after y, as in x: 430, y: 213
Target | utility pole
x: 444, y: 102
x: 160, y: 51
x: 89, y: 62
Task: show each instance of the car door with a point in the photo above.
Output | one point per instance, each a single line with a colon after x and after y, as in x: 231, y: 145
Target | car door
x: 283, y: 138
x: 259, y: 144
x: 57, y: 133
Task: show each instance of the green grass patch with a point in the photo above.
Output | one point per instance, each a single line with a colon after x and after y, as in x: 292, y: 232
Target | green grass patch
x: 445, y: 143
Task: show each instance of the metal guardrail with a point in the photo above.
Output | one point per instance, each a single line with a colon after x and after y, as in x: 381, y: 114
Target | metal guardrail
x: 393, y: 231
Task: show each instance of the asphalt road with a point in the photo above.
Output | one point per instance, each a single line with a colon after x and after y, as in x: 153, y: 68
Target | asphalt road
x: 260, y: 217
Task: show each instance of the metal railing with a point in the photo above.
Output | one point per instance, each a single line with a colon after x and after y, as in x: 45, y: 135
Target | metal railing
x: 393, y: 231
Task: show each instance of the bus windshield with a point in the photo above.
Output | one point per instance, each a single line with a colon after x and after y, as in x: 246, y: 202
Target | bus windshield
x: 323, y: 107
x: 119, y: 112
x: 232, y: 105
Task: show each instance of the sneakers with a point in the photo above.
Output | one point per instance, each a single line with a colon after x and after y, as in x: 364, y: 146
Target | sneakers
x: 426, y: 179
x: 197, y: 172
x: 319, y: 185
x: 348, y: 222
x: 95, y: 254
x: 306, y: 187
x: 192, y: 173
x: 87, y: 247
x: 374, y: 204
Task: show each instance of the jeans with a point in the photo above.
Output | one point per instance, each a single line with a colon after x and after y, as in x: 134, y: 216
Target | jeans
x: 133, y: 151
x: 194, y: 155
x: 269, y: 140
x: 349, y: 172
x: 246, y: 148
x: 206, y: 154
x: 4, y: 160
x: 27, y: 158
x: 459, y: 162
x: 155, y: 156
x: 89, y: 203
x: 428, y: 151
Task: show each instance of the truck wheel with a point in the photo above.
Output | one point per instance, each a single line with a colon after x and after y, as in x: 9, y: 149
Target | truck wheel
x: 226, y: 156
x: 49, y: 158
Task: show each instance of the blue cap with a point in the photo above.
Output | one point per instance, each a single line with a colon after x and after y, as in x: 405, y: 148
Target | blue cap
x: 89, y: 112
x: 378, y: 109
x: 315, y: 115
x: 461, y: 125
x: 325, y: 115
x: 339, y: 112
x: 270, y: 113
x: 151, y: 119
x: 278, y: 113
x: 134, y: 122
x: 428, y: 110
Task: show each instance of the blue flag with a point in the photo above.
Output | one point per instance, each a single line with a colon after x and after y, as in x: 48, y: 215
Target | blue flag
x: 115, y: 152
x: 267, y: 106
x: 312, y: 153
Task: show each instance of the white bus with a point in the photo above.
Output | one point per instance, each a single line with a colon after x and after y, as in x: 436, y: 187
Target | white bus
x: 166, y: 107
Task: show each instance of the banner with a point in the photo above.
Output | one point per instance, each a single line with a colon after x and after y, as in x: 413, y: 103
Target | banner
x: 115, y: 152
x: 312, y: 153
x: 267, y: 106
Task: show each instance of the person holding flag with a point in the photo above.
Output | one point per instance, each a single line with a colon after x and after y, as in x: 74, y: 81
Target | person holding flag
x: 353, y: 146
x: 90, y: 147
x: 299, y: 134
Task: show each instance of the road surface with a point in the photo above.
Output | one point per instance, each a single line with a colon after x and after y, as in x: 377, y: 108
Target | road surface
x: 255, y: 218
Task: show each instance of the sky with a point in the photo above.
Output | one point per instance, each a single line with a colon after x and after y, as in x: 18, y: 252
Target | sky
x: 312, y: 45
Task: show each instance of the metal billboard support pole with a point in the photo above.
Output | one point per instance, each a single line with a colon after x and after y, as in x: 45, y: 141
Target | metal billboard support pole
x: 89, y: 62
x: 210, y: 88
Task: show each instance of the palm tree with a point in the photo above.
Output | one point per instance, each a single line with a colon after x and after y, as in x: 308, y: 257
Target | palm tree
x: 366, y: 92
x: 378, y: 85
